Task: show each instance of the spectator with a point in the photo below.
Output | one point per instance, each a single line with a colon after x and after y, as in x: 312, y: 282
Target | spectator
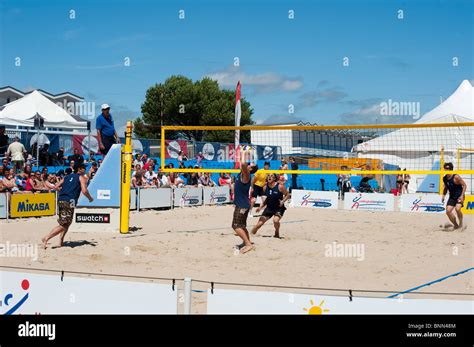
x: 77, y: 158
x: 138, y: 159
x: 4, y: 140
x: 199, y: 158
x: 106, y: 134
x: 51, y: 182
x: 138, y: 181
x: 16, y: 151
x: 29, y: 159
x: 91, y: 156
x: 37, y: 183
x: 138, y: 168
x: 99, y: 163
x: 44, y: 174
x: 44, y: 156
x: 148, y: 163
x: 58, y: 157
x: 144, y: 159
x: 175, y: 180
x: 283, y: 176
x: 26, y: 172
x: 294, y: 166
x: 155, y: 182
x: 150, y: 174
x: 9, y: 181
x: 344, y: 182
x: 71, y: 165
x: 5, y: 165
x: 164, y: 180
x: 205, y: 180
x: 92, y: 170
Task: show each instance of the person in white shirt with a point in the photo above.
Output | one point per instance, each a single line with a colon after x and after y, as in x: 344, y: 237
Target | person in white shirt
x: 16, y: 151
x: 150, y: 174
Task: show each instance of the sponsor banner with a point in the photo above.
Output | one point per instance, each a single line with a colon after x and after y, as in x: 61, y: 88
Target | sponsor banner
x: 216, y: 195
x: 225, y: 301
x: 468, y: 204
x: 267, y: 152
x: 314, y: 199
x: 430, y: 203
x: 209, y: 150
x: 155, y: 197
x: 26, y: 293
x: 368, y: 202
x: 85, y: 143
x: 97, y: 218
x: 187, y: 196
x: 33, y: 205
x: 103, y: 194
x: 174, y: 146
x: 3, y: 206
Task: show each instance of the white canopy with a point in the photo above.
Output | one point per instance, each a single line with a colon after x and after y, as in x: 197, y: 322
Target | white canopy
x: 22, y: 112
x: 419, y: 148
x: 459, y: 107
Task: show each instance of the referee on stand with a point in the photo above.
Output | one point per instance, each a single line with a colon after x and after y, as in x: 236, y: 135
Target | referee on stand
x: 106, y: 134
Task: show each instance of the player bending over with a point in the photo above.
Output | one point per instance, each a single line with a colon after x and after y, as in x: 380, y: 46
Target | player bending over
x: 274, y: 204
x: 456, y: 187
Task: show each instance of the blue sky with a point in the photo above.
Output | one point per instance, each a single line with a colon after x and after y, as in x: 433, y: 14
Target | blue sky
x: 282, y: 62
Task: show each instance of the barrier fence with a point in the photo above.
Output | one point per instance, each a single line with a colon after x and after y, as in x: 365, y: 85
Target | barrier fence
x: 58, y: 292
x: 45, y: 204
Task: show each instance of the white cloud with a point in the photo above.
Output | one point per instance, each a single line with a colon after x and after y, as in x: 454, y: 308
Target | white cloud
x: 262, y: 82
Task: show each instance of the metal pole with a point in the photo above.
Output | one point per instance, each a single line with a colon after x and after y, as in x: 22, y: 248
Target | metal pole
x: 37, y: 149
x: 126, y: 168
x: 89, y: 145
x: 187, y: 295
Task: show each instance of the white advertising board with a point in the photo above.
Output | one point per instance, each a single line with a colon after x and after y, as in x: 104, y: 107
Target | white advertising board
x: 155, y: 197
x: 27, y: 293
x: 191, y: 196
x: 369, y: 202
x: 225, y: 301
x: 216, y: 195
x: 314, y: 199
x: 428, y: 203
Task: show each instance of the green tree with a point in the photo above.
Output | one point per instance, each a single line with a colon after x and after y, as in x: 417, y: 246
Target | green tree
x: 185, y: 103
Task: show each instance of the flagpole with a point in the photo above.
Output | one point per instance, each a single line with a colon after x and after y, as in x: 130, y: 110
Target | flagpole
x: 238, y: 114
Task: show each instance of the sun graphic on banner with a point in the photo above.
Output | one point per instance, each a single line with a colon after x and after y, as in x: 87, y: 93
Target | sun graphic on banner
x: 316, y: 309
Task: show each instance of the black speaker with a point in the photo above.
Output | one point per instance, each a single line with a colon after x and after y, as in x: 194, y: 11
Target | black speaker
x: 88, y: 125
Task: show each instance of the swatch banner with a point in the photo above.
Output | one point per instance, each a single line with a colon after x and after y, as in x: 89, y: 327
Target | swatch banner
x: 209, y: 150
x: 174, y: 146
x: 267, y: 152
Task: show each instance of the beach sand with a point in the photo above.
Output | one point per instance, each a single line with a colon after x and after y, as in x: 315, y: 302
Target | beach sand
x: 401, y: 250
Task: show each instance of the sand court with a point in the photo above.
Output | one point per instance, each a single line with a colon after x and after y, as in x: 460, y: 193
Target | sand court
x: 337, y: 249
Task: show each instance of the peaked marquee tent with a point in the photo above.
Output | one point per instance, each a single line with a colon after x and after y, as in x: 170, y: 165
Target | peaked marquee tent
x: 22, y: 112
x: 419, y: 148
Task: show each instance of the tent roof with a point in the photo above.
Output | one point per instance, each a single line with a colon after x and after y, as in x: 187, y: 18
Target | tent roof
x: 459, y: 107
x: 22, y: 111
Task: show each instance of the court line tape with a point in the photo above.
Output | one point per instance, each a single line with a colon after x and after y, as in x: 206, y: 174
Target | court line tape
x: 432, y: 282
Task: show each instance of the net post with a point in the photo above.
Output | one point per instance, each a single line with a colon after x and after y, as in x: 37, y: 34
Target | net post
x: 125, y: 179
x: 187, y: 295
x: 441, y: 163
x: 162, y: 151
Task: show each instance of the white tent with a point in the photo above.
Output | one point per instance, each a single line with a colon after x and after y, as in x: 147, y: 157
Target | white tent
x: 22, y: 112
x: 419, y: 148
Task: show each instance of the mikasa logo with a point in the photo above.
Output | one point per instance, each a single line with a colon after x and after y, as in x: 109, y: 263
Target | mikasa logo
x: 37, y: 330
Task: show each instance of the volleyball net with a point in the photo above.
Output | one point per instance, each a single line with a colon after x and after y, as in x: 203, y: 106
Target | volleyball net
x: 416, y: 151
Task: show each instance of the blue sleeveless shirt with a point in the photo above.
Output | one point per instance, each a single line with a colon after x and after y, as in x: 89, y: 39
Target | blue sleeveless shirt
x: 241, y: 193
x: 71, y: 188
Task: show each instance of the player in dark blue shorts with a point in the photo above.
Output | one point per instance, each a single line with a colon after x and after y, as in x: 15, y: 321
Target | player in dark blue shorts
x: 456, y: 187
x: 274, y: 204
